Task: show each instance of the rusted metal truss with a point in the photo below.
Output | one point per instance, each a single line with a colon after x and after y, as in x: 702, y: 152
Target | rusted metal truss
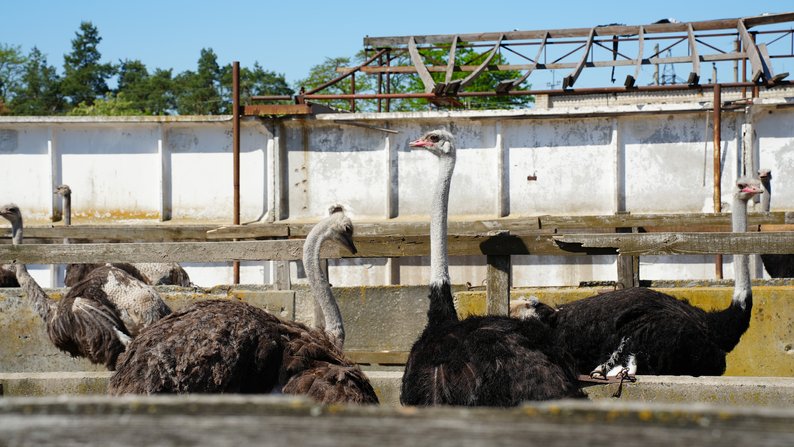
x: 743, y: 42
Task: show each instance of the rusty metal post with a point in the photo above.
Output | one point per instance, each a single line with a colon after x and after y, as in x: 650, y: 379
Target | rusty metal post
x: 717, y: 163
x: 236, y: 153
x: 353, y: 91
x: 380, y: 83
x: 388, y: 81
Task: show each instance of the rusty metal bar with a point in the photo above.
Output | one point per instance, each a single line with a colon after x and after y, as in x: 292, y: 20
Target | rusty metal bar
x: 352, y: 70
x: 717, y: 165
x: 236, y: 153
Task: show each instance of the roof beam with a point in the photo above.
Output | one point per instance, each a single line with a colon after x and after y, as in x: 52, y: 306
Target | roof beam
x: 420, y: 66
x: 506, y: 86
x: 569, y: 80
x: 631, y: 80
x: 694, y: 75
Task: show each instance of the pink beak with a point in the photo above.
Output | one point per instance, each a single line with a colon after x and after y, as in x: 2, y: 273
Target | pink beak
x: 420, y: 143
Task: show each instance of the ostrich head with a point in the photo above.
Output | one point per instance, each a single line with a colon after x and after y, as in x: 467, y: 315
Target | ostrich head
x: 341, y: 228
x: 747, y: 188
x: 11, y: 213
x: 63, y: 190
x: 765, y: 174
x: 439, y: 142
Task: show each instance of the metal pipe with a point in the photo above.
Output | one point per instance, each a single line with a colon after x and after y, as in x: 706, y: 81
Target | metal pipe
x: 717, y: 165
x: 236, y: 153
x: 558, y: 92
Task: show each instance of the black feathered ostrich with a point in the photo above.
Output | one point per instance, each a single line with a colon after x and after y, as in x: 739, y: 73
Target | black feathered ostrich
x: 643, y: 331
x: 223, y: 346
x: 776, y: 265
x: 152, y: 273
x: 98, y: 316
x: 480, y: 361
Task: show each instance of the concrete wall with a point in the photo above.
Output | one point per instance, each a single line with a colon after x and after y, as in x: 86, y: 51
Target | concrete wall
x: 584, y: 159
x: 391, y: 318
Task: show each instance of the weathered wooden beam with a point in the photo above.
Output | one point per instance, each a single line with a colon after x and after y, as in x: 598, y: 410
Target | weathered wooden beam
x: 631, y: 80
x: 694, y: 76
x: 759, y: 70
x: 733, y: 56
x: 497, y: 291
x: 569, y: 80
x: 126, y: 233
x: 505, y: 86
x: 277, y: 109
x: 480, y: 68
x: 378, y: 357
x: 420, y: 67
x: 706, y: 25
x: 680, y: 243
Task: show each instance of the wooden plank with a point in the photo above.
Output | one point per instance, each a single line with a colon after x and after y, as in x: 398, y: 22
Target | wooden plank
x: 420, y: 67
x: 505, y: 86
x: 480, y: 68
x: 694, y: 76
x: 378, y: 357
x: 750, y: 48
x: 553, y: 66
x: 142, y: 233
x: 680, y: 243
x: 569, y: 80
x: 451, y: 61
x: 497, y: 291
x: 277, y: 109
x: 631, y: 80
x: 706, y: 25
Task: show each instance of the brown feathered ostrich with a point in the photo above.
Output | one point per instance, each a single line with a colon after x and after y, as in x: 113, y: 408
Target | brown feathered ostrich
x: 152, y: 273
x: 776, y: 265
x: 479, y: 361
x: 98, y: 316
x: 223, y: 346
x: 643, y: 331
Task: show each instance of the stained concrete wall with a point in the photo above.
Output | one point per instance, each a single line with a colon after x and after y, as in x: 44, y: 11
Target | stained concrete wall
x: 390, y: 318
x: 584, y: 159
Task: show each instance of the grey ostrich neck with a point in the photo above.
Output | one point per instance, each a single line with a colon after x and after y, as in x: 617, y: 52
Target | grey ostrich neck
x: 439, y: 260
x: 766, y: 197
x: 67, y: 208
x: 321, y: 289
x: 742, y: 291
x: 38, y: 298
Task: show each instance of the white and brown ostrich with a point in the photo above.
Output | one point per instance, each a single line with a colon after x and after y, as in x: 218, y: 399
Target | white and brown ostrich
x: 225, y: 346
x: 776, y: 265
x: 479, y: 361
x: 98, y: 316
x: 152, y: 273
x: 642, y: 331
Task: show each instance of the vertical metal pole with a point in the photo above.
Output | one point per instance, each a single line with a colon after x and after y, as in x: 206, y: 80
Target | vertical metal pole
x: 236, y: 153
x: 717, y: 158
x: 736, y: 62
x: 353, y: 91
x: 380, y: 83
x: 388, y: 81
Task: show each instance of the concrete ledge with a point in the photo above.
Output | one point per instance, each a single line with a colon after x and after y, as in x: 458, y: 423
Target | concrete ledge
x: 220, y: 420
x: 736, y: 391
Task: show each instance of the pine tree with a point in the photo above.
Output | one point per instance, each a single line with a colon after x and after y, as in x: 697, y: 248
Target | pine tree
x: 39, y: 89
x: 85, y: 78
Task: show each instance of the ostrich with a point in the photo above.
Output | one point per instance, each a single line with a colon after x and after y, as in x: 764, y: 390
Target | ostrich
x: 479, y: 361
x: 155, y: 274
x: 643, y: 331
x: 776, y: 265
x: 223, y: 346
x: 98, y: 316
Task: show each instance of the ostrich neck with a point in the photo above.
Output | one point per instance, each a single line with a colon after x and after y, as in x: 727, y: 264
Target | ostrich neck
x: 742, y: 289
x: 67, y: 209
x: 439, y: 263
x: 766, y: 197
x: 38, y: 298
x: 321, y: 289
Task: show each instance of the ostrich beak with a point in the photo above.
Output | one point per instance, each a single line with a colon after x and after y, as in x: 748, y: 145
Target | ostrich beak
x: 347, y: 241
x: 420, y: 143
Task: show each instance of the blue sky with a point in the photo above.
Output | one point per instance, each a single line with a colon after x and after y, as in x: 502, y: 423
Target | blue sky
x: 289, y: 37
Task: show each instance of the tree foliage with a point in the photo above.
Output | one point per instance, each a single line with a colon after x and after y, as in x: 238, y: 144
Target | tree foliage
x: 85, y: 77
x: 30, y: 86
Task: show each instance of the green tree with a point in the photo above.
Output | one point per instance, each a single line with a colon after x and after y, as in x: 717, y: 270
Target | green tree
x: 254, y: 81
x: 12, y: 66
x: 110, y: 105
x: 152, y: 94
x: 200, y: 92
x: 327, y: 71
x: 85, y: 77
x: 38, y: 92
x: 411, y: 83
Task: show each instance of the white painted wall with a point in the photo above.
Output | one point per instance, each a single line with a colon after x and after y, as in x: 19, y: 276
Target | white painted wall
x: 654, y: 158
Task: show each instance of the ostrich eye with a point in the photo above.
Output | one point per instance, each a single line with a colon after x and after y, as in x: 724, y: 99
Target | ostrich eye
x: 433, y: 138
x: 741, y: 185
